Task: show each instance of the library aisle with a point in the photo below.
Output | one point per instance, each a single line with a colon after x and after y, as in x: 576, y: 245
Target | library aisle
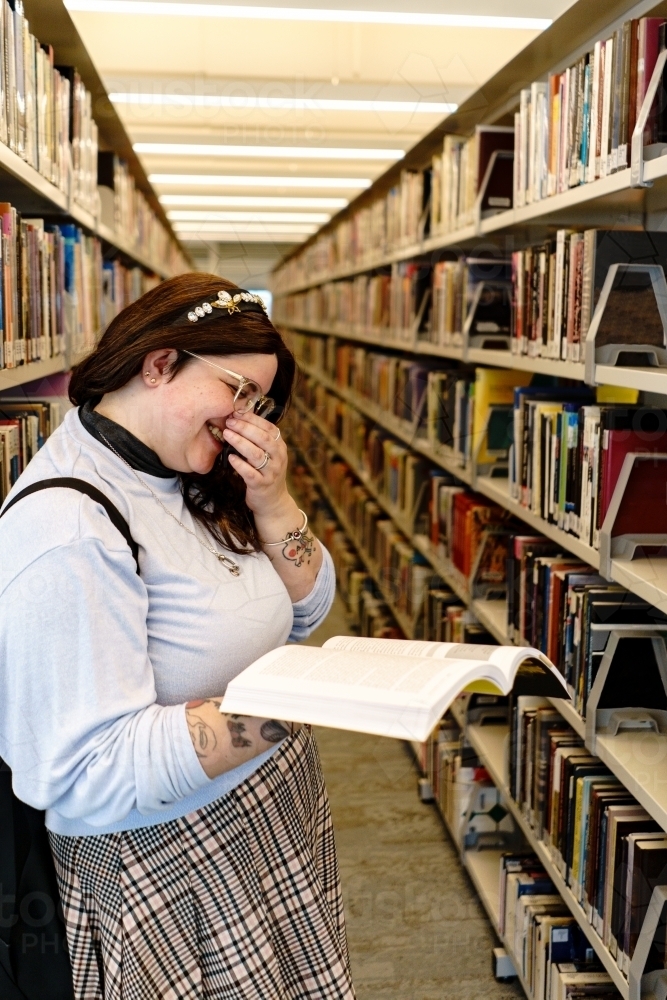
x: 416, y: 928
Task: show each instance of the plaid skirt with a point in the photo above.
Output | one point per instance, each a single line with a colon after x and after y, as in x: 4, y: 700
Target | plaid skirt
x: 239, y: 900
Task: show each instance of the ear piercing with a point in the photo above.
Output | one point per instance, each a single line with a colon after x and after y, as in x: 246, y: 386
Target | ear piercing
x: 153, y: 380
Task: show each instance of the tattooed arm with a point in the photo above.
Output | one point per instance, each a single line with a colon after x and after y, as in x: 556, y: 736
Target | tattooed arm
x: 222, y: 741
x: 297, y: 562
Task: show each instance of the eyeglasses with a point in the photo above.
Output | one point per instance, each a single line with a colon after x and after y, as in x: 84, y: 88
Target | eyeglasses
x: 247, y: 395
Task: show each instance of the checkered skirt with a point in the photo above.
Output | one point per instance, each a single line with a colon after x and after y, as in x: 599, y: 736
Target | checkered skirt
x: 239, y: 900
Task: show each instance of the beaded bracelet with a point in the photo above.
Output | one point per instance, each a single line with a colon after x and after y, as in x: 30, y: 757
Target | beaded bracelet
x: 292, y: 536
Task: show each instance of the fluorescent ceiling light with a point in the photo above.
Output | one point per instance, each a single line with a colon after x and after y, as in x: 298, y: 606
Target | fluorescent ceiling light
x: 288, y: 152
x: 157, y: 9
x: 242, y: 236
x: 282, y: 103
x: 250, y: 201
x: 247, y: 227
x: 312, y: 217
x: 245, y: 181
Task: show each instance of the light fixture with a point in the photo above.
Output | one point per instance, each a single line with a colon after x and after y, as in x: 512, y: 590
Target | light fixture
x: 246, y: 181
x: 282, y: 103
x: 288, y: 152
x: 246, y: 227
x: 250, y: 201
x: 160, y: 9
x: 312, y: 217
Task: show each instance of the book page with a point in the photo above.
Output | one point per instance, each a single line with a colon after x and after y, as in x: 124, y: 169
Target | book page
x: 410, y: 675
x: 505, y: 657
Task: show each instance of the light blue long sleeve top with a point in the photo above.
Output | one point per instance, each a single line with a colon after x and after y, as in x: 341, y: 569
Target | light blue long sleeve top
x: 97, y: 662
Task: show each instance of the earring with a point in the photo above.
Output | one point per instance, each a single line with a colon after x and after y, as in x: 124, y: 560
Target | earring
x: 153, y: 380
x: 146, y: 373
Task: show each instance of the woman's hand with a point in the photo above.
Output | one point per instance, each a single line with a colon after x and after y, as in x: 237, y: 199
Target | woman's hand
x: 223, y: 742
x: 255, y: 438
x: 297, y: 562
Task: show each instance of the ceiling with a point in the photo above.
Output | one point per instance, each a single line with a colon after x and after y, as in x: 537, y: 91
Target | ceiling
x: 257, y: 124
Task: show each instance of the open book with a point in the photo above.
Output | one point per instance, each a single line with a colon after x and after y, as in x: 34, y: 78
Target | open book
x: 388, y: 687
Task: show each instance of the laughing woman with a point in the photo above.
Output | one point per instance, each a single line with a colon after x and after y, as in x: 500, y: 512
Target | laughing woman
x: 194, y: 850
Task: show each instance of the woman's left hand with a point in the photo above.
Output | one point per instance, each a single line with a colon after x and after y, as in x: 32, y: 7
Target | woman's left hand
x: 255, y: 438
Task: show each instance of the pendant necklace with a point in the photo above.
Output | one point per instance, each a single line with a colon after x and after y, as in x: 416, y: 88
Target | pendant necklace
x: 231, y: 564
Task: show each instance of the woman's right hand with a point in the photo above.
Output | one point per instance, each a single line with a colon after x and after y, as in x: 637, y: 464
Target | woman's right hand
x: 222, y: 741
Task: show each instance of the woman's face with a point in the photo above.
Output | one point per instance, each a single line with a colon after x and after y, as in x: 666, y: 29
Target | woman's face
x: 198, y: 398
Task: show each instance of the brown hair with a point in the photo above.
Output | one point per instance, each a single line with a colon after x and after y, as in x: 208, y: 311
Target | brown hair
x: 217, y: 499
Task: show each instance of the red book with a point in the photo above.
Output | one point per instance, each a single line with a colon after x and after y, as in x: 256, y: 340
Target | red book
x: 624, y: 431
x: 648, y: 46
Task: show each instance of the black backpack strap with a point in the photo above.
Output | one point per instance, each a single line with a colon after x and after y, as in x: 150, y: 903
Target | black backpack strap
x: 66, y: 482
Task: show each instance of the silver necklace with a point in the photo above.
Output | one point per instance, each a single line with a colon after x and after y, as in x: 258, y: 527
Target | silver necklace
x: 231, y: 564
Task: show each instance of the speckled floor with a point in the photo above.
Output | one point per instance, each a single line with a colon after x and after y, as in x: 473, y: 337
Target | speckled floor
x: 415, y: 926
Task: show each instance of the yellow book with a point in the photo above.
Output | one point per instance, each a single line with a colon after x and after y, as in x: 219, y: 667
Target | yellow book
x: 492, y: 387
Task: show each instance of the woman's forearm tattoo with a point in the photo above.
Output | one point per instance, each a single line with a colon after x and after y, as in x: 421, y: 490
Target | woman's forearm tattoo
x: 237, y: 729
x: 202, y: 734
x: 300, y: 550
x: 274, y: 731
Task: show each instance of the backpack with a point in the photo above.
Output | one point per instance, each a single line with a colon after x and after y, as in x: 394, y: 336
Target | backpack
x: 34, y: 964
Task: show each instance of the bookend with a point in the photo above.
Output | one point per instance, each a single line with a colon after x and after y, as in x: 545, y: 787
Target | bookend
x: 630, y: 319
x: 633, y: 669
x: 488, y: 321
x: 649, y: 985
x: 637, y: 151
x: 488, y: 824
x: 496, y: 190
x: 637, y: 516
x: 488, y: 578
x: 494, y: 443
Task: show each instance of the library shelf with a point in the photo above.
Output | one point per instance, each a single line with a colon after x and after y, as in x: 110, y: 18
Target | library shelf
x: 11, y: 377
x: 607, y: 201
x: 404, y: 620
x: 645, y: 576
x: 498, y: 490
x: 493, y: 616
x: 402, y: 429
x: 571, y: 716
x: 490, y: 743
x: 115, y: 240
x: 639, y: 761
x: 475, y: 355
x: 483, y: 867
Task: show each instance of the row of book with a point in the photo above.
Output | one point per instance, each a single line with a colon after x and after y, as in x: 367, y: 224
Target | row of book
x: 463, y: 526
x: 550, y: 949
x: 45, y: 110
x: 539, y: 302
x: 607, y: 848
x: 57, y: 293
x: 562, y: 449
x: 578, y: 125
x: 438, y: 199
x: 125, y: 210
x: 546, y: 944
x: 565, y: 608
x: 25, y: 425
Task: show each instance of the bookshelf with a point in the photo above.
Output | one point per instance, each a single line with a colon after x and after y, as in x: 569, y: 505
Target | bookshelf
x: 636, y: 758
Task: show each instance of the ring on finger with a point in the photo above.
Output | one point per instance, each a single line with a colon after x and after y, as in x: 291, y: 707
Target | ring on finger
x: 266, y: 459
x: 277, y: 435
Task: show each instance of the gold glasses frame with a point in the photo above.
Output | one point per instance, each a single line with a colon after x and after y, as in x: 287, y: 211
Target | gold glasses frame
x: 255, y: 400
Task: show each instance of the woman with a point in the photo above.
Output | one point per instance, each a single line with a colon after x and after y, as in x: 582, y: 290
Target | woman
x: 194, y: 850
